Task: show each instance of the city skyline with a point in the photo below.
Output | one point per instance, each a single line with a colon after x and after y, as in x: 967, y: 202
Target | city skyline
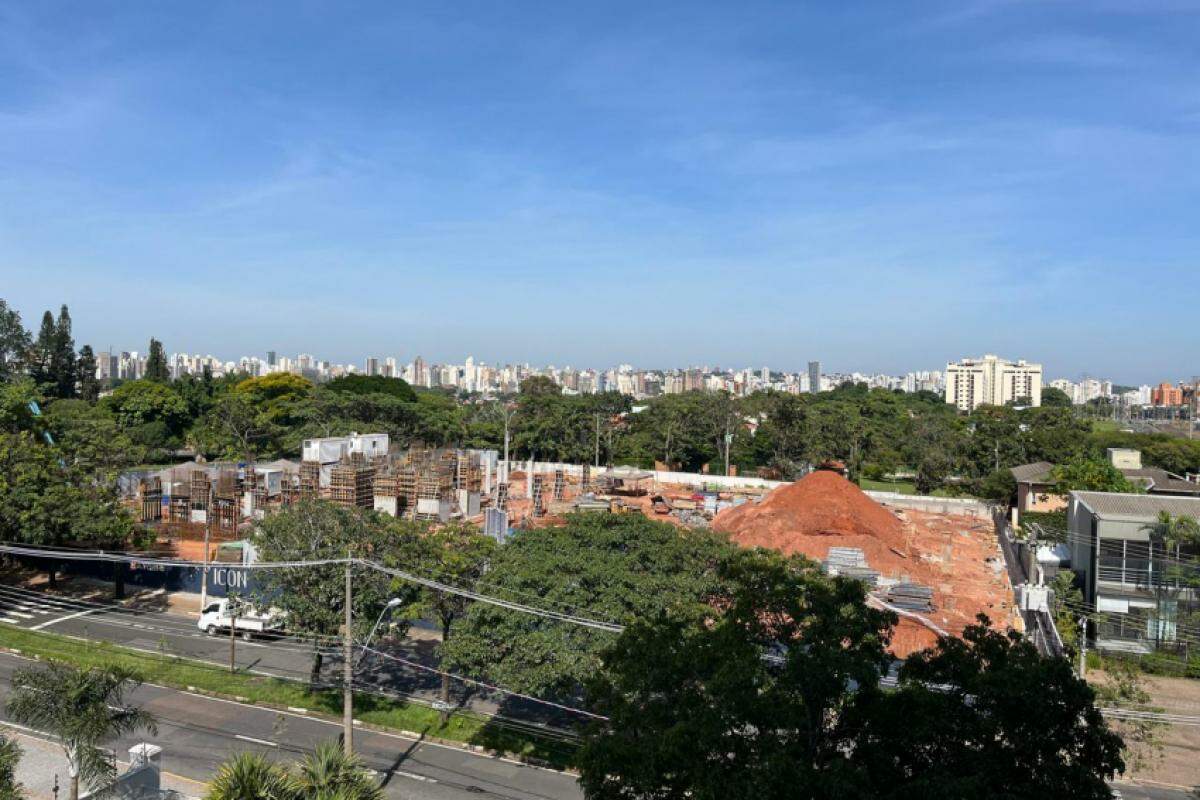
x: 885, y: 186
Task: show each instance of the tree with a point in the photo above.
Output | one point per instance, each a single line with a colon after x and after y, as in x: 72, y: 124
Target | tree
x: 619, y: 568
x: 42, y: 362
x: 80, y: 709
x: 313, y: 597
x: 1055, y: 398
x: 152, y: 414
x: 1168, y: 575
x: 89, y: 384
x: 373, y: 384
x: 15, y: 343
x: 774, y: 693
x: 234, y: 428
x: 325, y: 774
x: 157, y: 369
x: 459, y: 555
x: 1091, y: 475
x: 977, y: 734
x: 10, y: 756
x: 62, y: 362
x: 752, y: 699
x: 250, y: 776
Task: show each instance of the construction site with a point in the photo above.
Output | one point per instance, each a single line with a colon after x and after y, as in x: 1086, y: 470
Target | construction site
x: 935, y: 563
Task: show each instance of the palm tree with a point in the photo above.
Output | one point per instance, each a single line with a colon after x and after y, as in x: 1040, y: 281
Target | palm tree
x: 329, y: 774
x: 10, y: 755
x: 251, y: 776
x: 80, y: 708
x: 1167, y: 577
x: 325, y: 774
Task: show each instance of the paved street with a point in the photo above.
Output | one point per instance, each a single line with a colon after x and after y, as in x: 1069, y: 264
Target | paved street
x: 197, y: 733
x: 144, y: 624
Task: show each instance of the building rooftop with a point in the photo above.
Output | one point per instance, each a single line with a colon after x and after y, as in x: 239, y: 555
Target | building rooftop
x: 1115, y: 505
x: 1037, y: 472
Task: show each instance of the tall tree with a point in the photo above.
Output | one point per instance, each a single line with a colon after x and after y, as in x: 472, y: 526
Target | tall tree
x: 41, y: 367
x: 752, y: 700
x: 618, y: 567
x: 15, y: 343
x: 156, y: 363
x: 313, y: 597
x: 459, y: 555
x: 977, y: 735
x: 89, y: 384
x: 80, y: 709
x: 62, y: 362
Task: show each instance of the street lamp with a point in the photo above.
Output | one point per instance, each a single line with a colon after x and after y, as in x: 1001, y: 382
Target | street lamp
x: 395, y: 602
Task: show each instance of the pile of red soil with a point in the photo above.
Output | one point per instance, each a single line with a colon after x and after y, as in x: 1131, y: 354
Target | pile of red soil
x: 820, y: 511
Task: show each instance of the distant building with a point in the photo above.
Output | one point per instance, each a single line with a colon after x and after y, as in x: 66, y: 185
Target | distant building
x: 814, y: 376
x: 271, y: 358
x: 1166, y: 395
x: 372, y: 366
x: 991, y: 380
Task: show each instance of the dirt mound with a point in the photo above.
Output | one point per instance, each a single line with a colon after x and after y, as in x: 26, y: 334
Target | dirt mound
x: 821, y: 510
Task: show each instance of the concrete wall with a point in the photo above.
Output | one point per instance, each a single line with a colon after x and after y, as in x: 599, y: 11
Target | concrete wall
x: 963, y: 506
x: 683, y: 478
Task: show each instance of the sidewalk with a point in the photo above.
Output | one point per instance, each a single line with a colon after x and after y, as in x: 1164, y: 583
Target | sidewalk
x: 43, y: 762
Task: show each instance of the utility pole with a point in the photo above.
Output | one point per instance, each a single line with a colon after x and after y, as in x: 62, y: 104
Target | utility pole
x: 597, y: 460
x: 207, y: 534
x: 348, y: 671
x: 1082, y: 646
x: 231, y: 600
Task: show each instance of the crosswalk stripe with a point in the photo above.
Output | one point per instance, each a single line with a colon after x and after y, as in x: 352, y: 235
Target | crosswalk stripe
x: 20, y: 614
x: 10, y: 621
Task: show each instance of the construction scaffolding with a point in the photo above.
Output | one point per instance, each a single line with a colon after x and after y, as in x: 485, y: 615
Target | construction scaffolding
x: 560, y: 482
x: 310, y: 479
x: 539, y: 507
x: 151, y: 496
x: 502, y: 496
x: 352, y: 482
x: 585, y: 484
x: 225, y: 508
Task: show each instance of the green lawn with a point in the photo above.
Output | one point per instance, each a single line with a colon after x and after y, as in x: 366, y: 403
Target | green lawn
x: 179, y: 673
x: 900, y: 487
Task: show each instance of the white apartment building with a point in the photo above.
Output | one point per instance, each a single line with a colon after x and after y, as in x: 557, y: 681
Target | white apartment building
x: 991, y: 380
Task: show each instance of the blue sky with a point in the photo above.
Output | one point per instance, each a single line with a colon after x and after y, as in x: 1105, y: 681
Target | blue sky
x: 883, y: 186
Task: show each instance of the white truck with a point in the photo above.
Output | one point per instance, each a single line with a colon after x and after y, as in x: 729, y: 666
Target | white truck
x: 215, y: 618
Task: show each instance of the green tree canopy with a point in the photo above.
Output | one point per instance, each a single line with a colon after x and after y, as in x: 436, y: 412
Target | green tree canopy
x: 373, y: 384
x: 618, y: 568
x: 774, y: 693
x: 16, y: 345
x: 313, y: 597
x: 1091, y: 475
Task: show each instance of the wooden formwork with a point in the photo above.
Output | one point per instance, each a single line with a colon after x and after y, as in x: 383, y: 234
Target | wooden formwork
x: 310, y: 479
x: 352, y: 483
x: 199, y: 488
x: 151, y: 495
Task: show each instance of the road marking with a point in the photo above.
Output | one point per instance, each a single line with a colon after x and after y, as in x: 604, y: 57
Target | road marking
x: 57, y: 620
x: 415, y: 776
x: 19, y: 614
x: 10, y: 620
x: 263, y: 742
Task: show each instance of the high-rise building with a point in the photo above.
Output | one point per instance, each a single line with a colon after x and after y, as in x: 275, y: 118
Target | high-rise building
x: 1166, y: 395
x: 991, y: 380
x: 372, y: 366
x: 271, y: 356
x: 814, y: 376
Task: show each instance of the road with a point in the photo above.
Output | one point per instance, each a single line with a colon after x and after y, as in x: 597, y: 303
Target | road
x: 197, y: 733
x: 142, y: 623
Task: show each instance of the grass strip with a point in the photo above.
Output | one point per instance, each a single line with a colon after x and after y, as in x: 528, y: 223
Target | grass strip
x: 373, y: 709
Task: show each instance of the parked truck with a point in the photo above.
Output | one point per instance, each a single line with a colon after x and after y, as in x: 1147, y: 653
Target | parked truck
x: 216, y: 618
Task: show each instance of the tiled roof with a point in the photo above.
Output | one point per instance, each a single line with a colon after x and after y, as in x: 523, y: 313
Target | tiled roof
x: 1137, y: 506
x: 1037, y: 472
